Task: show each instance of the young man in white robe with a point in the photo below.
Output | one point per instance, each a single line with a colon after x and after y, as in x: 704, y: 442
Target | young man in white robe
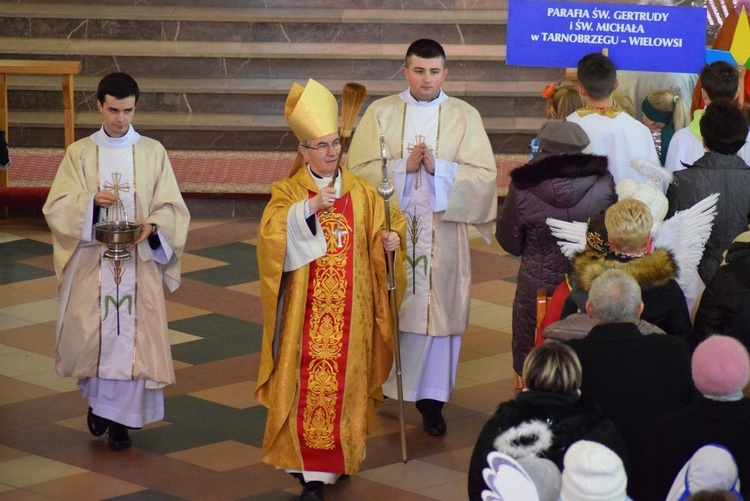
x: 445, y: 176
x: 112, y: 324
x: 612, y: 132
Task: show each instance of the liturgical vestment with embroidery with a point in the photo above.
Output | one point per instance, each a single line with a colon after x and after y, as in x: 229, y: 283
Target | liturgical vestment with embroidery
x: 326, y: 339
x: 88, y: 338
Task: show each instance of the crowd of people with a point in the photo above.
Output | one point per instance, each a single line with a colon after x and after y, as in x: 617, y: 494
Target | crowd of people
x: 625, y: 398
x: 621, y: 390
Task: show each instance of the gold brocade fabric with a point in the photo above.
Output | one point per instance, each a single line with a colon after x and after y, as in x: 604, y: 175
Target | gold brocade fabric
x: 285, y: 297
x: 608, y: 112
x: 325, y: 343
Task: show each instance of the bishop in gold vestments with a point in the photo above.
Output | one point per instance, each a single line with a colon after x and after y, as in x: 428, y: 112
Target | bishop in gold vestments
x: 326, y: 339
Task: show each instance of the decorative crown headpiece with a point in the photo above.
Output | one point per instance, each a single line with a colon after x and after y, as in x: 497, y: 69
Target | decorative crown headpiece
x: 311, y: 111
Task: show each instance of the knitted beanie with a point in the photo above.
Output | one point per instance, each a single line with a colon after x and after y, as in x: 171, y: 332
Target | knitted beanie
x: 560, y: 136
x: 592, y: 472
x: 646, y: 193
x: 721, y: 366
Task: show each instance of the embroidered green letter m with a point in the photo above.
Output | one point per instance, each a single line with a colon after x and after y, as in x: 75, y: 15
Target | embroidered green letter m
x: 110, y: 299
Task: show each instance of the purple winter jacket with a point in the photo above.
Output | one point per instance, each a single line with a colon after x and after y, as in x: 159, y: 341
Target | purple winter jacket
x: 566, y: 186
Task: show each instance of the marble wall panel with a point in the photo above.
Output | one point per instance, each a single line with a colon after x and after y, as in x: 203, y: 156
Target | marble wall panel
x: 510, y: 143
x: 317, y: 32
x: 499, y: 71
x: 41, y: 137
x: 508, y: 106
x: 116, y: 29
x: 15, y: 27
x: 208, y: 31
x: 113, y: 29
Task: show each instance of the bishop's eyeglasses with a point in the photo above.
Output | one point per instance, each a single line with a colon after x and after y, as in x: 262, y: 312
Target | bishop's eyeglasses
x: 323, y: 147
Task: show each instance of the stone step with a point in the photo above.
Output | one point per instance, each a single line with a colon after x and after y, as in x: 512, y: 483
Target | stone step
x: 253, y: 25
x: 280, y: 86
x: 225, y: 121
x: 147, y: 66
x: 214, y: 74
x: 333, y: 5
x: 212, y: 13
x: 167, y: 95
x: 237, y: 50
x: 197, y: 131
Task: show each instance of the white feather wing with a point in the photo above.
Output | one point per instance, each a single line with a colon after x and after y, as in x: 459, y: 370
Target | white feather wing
x: 685, y: 235
x: 571, y: 237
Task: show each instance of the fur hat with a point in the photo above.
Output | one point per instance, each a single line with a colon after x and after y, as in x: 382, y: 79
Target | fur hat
x: 545, y: 475
x: 721, y: 366
x: 592, y: 472
x: 560, y: 136
x: 711, y: 467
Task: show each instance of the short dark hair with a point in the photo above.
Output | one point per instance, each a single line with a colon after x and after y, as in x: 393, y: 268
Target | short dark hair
x: 720, y: 80
x: 117, y: 85
x: 597, y: 75
x: 426, y: 49
x: 723, y: 127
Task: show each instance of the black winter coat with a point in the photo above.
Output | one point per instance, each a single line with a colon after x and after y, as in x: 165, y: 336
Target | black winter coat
x: 725, y: 304
x: 705, y: 422
x: 565, y: 416
x: 637, y: 380
x: 570, y: 187
x: 728, y: 175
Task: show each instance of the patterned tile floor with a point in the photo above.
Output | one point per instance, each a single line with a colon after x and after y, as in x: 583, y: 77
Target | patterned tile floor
x: 208, y: 445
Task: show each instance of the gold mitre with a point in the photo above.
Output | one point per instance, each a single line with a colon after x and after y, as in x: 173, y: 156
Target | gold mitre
x: 311, y: 111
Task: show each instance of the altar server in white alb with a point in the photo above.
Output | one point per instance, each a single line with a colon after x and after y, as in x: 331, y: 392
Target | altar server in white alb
x: 112, y: 323
x: 444, y: 172
x: 612, y: 132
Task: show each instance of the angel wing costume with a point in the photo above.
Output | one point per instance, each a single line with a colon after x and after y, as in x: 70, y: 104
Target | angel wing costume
x: 685, y: 234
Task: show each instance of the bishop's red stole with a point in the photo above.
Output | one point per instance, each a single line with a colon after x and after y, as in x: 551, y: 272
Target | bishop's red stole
x: 325, y: 343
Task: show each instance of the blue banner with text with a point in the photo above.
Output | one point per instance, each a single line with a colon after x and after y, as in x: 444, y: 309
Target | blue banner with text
x: 637, y: 37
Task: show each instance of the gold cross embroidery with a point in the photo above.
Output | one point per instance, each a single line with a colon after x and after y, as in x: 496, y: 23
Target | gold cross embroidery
x: 115, y: 185
x: 117, y: 207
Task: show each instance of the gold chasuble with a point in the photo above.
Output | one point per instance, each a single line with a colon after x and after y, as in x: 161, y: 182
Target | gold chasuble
x: 326, y: 339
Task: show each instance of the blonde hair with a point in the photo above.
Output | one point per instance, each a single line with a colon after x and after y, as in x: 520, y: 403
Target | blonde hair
x: 628, y: 224
x: 666, y: 101
x: 623, y: 101
x: 563, y: 102
x: 553, y: 368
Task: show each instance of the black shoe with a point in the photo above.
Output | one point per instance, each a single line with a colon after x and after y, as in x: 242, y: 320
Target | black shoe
x: 118, y: 436
x: 432, y: 416
x: 97, y: 425
x: 434, y: 424
x: 312, y: 491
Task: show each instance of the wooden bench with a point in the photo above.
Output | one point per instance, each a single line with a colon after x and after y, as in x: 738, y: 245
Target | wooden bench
x: 66, y: 69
